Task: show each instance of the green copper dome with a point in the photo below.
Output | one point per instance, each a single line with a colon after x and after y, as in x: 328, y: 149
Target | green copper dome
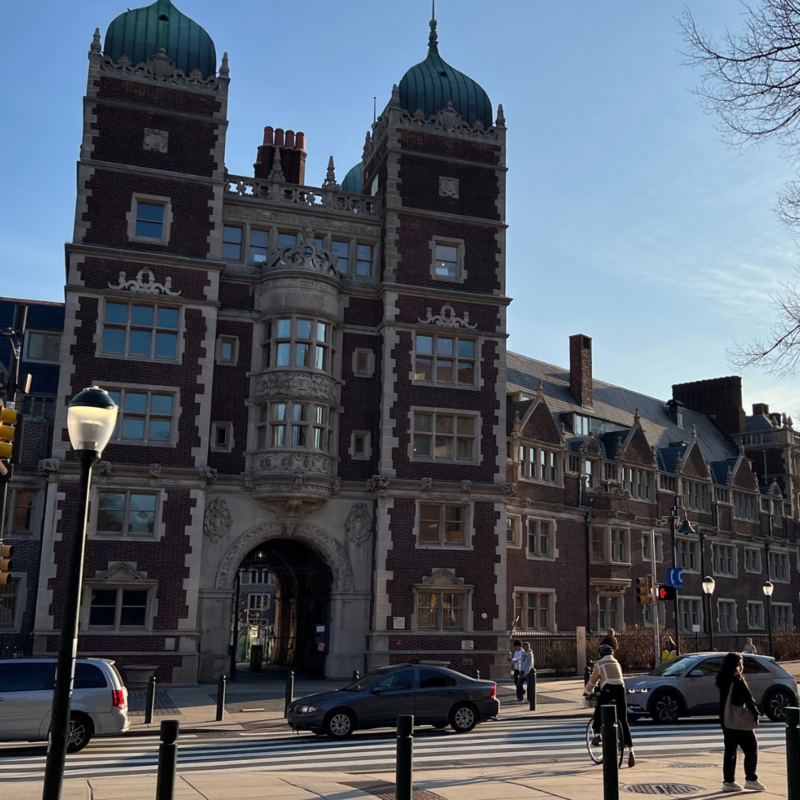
x: 142, y: 32
x: 433, y: 82
x: 353, y: 180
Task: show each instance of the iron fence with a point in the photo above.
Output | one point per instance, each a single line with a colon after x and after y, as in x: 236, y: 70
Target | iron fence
x: 16, y: 645
x: 555, y: 651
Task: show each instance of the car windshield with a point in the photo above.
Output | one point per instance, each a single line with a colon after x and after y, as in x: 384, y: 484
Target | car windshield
x: 675, y: 666
x: 366, y: 681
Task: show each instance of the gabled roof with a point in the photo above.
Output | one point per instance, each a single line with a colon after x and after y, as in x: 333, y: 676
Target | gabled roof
x: 759, y: 423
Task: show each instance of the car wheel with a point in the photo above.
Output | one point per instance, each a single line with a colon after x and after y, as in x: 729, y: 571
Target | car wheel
x: 79, y: 734
x: 339, y: 724
x: 665, y: 708
x: 463, y: 718
x: 775, y: 704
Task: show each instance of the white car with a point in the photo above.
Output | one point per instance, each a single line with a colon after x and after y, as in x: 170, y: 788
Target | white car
x: 99, y: 700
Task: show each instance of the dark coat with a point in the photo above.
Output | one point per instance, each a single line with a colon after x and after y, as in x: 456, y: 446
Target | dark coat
x: 741, y: 697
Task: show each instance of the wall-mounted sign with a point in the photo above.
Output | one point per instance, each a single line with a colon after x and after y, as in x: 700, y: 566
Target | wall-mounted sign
x: 399, y: 623
x: 320, y: 629
x: 467, y: 644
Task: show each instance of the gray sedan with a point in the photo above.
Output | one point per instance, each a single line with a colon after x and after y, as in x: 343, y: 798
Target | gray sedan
x: 434, y: 695
x: 684, y: 687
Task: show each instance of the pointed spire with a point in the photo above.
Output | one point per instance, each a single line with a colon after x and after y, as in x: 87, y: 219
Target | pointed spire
x: 501, y: 117
x: 395, y: 101
x: 729, y: 476
x: 618, y: 453
x: 330, y: 178
x: 516, y: 425
x: 276, y: 173
x: 636, y: 417
x: 694, y: 432
x: 224, y: 70
x: 433, y: 39
x: 540, y: 388
x: 95, y: 47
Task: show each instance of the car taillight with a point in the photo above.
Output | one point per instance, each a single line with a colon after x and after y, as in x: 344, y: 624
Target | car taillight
x: 118, y: 698
x: 494, y: 691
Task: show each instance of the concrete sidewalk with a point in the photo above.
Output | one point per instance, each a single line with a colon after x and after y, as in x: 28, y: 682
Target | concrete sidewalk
x: 690, y: 775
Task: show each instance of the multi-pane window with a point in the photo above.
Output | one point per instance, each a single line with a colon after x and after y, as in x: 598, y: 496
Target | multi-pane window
x: 145, y: 416
x: 574, y: 463
x: 257, y: 577
x: 779, y: 569
x: 364, y: 260
x: 752, y: 559
x: 444, y: 437
x: 9, y: 597
x: 538, y: 464
x: 669, y: 483
x: 689, y: 614
x: 609, y: 615
x: 140, y: 330
x: 598, y: 544
x: 637, y: 482
x: 755, y: 614
x: 259, y: 246
x: 588, y: 473
x: 442, y: 524
x: 19, y: 511
x: 118, y: 609
x: 647, y: 614
x: 688, y: 554
x: 723, y: 559
x: 291, y: 342
x: 781, y: 616
x: 445, y: 360
x: 150, y: 220
x: 513, y: 531
x: 722, y: 494
x: 293, y: 424
x: 540, y: 538
x: 441, y: 610
x: 534, y: 610
x: 581, y: 425
x: 287, y: 240
x: 42, y: 346
x: 232, y: 242
x: 128, y: 514
x: 619, y: 550
x: 695, y: 495
x: 445, y: 264
x: 610, y: 473
x: 745, y: 506
x: 646, y: 554
x: 341, y: 255
x: 726, y: 616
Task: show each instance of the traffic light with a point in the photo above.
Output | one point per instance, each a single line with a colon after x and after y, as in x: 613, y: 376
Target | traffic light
x: 6, y: 551
x: 665, y: 593
x: 8, y: 429
x: 643, y: 590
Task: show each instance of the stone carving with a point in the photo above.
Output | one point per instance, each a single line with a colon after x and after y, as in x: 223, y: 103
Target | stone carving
x: 337, y: 484
x: 466, y: 486
x: 155, y: 139
x: 501, y: 117
x: 357, y: 524
x: 48, y: 466
x: 378, y: 482
x: 306, y: 255
x: 208, y: 474
x: 299, y: 477
x: 145, y: 283
x: 330, y: 178
x: 509, y: 488
x: 318, y: 463
x: 425, y: 484
x: 448, y: 187
x: 276, y: 173
x: 331, y: 551
x: 154, y: 471
x: 447, y: 318
x: 104, y: 468
x: 217, y: 520
x: 160, y: 68
x: 296, y: 384
x: 247, y: 484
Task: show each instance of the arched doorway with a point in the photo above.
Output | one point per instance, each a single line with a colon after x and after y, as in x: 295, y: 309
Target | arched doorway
x: 293, y: 628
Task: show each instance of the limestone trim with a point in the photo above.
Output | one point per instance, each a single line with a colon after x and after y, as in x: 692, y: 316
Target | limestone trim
x: 68, y: 342
x: 82, y: 225
x: 383, y: 544
x: 193, y: 561
x: 461, y: 271
x: 204, y: 393
x: 323, y: 543
x: 296, y: 384
x: 166, y: 225
x: 388, y: 438
x: 48, y: 569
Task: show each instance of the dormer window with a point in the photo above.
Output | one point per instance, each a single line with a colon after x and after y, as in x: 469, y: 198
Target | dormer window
x: 581, y: 425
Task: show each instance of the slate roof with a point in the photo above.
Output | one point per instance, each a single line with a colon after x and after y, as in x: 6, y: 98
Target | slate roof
x: 614, y: 408
x: 758, y: 424
x: 719, y: 469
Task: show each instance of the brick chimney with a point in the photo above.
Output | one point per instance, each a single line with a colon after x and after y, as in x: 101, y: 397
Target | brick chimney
x: 720, y: 398
x: 760, y: 409
x: 293, y: 155
x: 580, y: 368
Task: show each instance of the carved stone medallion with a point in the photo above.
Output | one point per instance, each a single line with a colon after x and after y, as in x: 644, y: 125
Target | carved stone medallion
x: 217, y: 520
x: 357, y: 526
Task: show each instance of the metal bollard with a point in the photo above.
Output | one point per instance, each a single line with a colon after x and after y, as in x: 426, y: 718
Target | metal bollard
x: 792, y: 717
x: 289, y: 692
x: 532, y: 690
x: 167, y: 759
x: 356, y: 675
x: 477, y: 674
x: 222, y: 688
x: 608, y: 719
x: 404, y: 770
x: 150, y: 704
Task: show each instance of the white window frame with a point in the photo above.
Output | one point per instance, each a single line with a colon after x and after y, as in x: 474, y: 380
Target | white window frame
x: 533, y: 532
x: 521, y: 609
x: 697, y: 544
x: 461, y: 272
x: 159, y: 526
x: 514, y: 524
x: 266, y: 421
x: 646, y: 547
x: 719, y: 559
x: 639, y: 483
x: 789, y: 615
x: 174, y: 391
x: 270, y: 344
x: 465, y: 592
x: 604, y: 617
x: 730, y: 605
x: 154, y: 329
x: 619, y: 537
x: 442, y: 544
x: 154, y: 200
x: 233, y: 343
x: 119, y: 587
x: 475, y: 416
x: 454, y: 359
x: 29, y: 335
x: 699, y: 610
x: 760, y: 622
x: 696, y: 495
x: 753, y: 551
x: 537, y: 463
x: 745, y: 506
x: 786, y: 564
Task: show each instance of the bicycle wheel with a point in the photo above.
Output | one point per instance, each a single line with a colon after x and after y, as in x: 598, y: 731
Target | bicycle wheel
x: 595, y: 751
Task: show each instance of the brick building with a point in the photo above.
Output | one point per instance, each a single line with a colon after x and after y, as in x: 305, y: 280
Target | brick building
x: 313, y: 382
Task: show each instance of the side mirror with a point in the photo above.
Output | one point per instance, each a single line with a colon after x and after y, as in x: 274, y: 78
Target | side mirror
x: 378, y: 690
x: 696, y: 673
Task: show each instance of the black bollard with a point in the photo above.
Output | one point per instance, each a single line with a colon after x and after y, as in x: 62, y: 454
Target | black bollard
x: 167, y: 760
x: 608, y: 719
x: 356, y: 675
x: 587, y: 674
x: 289, y: 692
x: 532, y: 690
x: 792, y: 717
x: 404, y: 771
x: 222, y: 687
x: 150, y: 705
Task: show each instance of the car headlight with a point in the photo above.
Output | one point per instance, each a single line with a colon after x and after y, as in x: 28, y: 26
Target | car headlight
x: 638, y: 691
x: 307, y: 709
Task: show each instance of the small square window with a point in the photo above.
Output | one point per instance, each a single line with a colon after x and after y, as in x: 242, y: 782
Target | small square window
x: 363, y: 362
x: 446, y: 261
x: 227, y: 350
x: 222, y: 437
x: 149, y: 220
x: 232, y: 243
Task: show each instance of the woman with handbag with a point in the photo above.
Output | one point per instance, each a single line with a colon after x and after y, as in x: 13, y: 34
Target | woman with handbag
x: 738, y: 716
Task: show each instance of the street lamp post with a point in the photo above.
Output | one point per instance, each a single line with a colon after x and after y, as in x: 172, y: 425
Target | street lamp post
x: 91, y: 417
x: 708, y: 589
x: 768, y: 589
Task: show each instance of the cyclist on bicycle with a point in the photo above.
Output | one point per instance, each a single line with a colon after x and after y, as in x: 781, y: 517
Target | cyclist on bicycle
x: 608, y: 672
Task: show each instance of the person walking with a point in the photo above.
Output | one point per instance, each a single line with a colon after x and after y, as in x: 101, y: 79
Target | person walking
x: 514, y: 659
x: 749, y: 648
x: 525, y: 666
x: 738, y: 717
x: 608, y: 671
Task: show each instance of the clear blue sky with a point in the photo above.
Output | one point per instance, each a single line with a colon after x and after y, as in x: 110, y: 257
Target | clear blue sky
x: 630, y: 221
